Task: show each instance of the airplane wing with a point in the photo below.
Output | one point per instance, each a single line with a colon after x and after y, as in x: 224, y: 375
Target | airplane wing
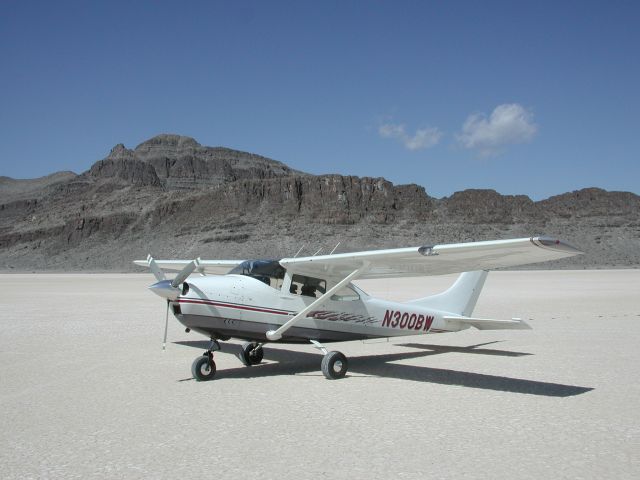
x: 211, y: 267
x: 432, y: 259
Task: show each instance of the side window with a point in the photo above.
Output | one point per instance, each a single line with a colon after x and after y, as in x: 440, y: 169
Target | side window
x: 275, y: 282
x: 347, y: 294
x: 307, y: 286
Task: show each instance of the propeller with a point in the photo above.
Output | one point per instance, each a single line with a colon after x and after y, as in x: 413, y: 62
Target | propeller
x: 169, y: 289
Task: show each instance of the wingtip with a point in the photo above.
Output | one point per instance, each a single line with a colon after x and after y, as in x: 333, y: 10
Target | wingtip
x: 556, y: 244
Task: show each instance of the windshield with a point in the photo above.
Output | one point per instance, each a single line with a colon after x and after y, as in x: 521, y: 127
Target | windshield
x: 267, y: 271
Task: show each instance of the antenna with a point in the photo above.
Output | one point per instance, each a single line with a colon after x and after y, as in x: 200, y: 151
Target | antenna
x: 298, y: 252
x: 334, y: 248
x: 317, y: 252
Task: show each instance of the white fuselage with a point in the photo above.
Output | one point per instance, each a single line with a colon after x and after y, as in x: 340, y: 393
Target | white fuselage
x: 244, y: 307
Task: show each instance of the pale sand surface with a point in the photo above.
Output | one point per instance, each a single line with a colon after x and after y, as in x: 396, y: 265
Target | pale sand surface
x: 86, y: 392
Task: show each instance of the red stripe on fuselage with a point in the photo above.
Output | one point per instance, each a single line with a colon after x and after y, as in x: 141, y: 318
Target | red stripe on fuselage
x: 233, y: 306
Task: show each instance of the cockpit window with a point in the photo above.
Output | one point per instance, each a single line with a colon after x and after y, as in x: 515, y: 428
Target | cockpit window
x: 267, y: 271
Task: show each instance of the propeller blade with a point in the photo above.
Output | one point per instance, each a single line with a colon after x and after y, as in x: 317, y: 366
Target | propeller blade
x: 155, y: 269
x: 185, y: 272
x: 166, y: 327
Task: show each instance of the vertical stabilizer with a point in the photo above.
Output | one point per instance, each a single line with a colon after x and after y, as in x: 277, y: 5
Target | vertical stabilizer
x: 460, y: 298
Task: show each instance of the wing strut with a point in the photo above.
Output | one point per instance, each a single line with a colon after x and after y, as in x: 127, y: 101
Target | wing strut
x: 275, y: 335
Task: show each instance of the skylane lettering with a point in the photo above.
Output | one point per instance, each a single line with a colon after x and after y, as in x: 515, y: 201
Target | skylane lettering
x: 407, y: 321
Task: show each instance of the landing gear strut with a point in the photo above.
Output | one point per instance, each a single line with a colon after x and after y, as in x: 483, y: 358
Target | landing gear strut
x: 251, y: 353
x: 334, y: 364
x: 203, y: 368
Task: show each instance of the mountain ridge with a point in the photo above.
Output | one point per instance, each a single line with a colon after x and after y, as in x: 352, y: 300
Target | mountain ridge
x: 173, y: 197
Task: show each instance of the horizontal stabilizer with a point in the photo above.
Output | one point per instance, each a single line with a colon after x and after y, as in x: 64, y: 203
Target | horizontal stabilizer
x: 490, y: 324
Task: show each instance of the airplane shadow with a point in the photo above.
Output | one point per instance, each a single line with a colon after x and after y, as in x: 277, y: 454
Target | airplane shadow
x: 469, y: 349
x: 285, y: 362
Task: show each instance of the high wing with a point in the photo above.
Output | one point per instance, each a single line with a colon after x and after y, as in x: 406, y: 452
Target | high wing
x: 406, y: 262
x: 432, y: 259
x: 211, y: 267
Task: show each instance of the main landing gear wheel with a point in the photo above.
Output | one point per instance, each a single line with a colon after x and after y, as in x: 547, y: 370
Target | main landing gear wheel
x: 334, y: 365
x: 251, y: 354
x: 203, y: 368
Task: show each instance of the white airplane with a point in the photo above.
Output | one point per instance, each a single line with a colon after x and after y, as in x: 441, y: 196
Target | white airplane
x: 312, y: 299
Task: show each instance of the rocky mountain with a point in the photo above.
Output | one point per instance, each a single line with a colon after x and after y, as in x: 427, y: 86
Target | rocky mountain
x: 175, y: 198
x: 177, y: 162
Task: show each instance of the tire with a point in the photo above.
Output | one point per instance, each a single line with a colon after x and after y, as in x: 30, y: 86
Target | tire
x: 203, y: 369
x: 251, y: 354
x: 334, y: 365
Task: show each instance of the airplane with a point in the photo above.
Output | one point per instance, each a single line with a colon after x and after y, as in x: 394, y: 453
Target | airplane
x: 313, y: 300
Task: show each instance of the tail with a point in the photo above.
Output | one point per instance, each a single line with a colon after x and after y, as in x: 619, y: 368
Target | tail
x: 460, y: 298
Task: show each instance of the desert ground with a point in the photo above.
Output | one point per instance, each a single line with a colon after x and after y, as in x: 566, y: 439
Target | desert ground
x: 87, y: 392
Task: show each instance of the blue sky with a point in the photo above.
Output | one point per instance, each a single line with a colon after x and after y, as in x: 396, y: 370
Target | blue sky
x: 536, y: 98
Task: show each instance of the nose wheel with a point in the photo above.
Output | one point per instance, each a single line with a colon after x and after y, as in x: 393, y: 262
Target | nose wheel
x: 203, y: 368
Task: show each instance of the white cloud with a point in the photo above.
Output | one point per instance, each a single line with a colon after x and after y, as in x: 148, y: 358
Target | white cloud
x: 423, y: 138
x: 508, y: 124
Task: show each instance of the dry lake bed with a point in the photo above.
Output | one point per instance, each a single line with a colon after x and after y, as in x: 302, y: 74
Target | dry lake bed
x: 86, y: 391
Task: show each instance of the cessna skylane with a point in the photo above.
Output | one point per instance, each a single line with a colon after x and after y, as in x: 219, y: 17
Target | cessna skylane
x: 313, y: 300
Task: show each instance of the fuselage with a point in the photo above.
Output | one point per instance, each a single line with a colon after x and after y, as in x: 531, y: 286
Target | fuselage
x: 245, y: 307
